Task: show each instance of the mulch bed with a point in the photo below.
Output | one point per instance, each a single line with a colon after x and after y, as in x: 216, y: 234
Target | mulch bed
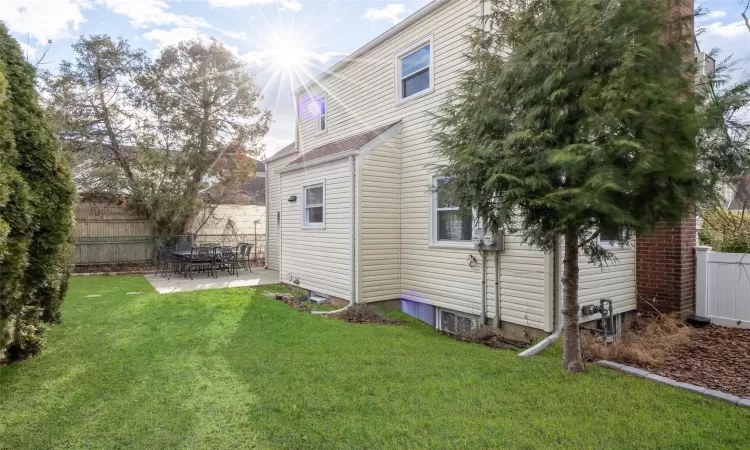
x: 365, y: 314
x: 486, y: 336
x: 289, y: 300
x: 716, y: 358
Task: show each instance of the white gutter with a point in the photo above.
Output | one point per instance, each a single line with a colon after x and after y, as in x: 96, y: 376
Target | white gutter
x: 352, y: 254
x: 549, y: 340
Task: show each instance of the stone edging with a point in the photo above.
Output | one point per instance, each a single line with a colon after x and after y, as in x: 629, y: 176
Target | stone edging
x: 719, y: 395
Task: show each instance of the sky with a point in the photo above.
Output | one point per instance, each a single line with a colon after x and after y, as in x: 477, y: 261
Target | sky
x: 283, y: 42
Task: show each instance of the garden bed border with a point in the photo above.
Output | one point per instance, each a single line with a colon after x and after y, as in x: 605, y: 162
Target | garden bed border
x: 719, y: 395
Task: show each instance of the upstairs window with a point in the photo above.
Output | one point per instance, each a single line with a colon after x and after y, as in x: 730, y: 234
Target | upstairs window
x: 313, y: 208
x: 448, y: 224
x: 415, y: 71
x: 320, y: 119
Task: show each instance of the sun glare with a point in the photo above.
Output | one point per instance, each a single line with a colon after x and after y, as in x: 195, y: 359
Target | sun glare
x: 287, y: 55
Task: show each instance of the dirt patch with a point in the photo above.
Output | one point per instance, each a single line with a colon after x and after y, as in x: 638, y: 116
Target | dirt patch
x: 365, y: 314
x: 487, y: 336
x: 289, y: 299
x: 716, y: 358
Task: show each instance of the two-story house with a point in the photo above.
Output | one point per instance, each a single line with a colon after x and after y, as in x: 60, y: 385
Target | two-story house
x: 351, y: 213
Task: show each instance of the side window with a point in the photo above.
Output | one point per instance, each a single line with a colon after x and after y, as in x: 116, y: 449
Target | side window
x: 448, y: 224
x: 320, y: 118
x: 313, y: 208
x: 415, y: 71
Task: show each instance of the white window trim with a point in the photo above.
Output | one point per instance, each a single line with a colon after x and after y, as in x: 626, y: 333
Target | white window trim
x: 313, y: 226
x: 434, y: 242
x: 439, y: 323
x: 411, y: 49
x: 317, y: 118
x: 612, y: 245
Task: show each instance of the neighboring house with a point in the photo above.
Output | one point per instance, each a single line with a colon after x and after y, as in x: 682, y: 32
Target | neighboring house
x: 350, y: 210
x: 240, y: 212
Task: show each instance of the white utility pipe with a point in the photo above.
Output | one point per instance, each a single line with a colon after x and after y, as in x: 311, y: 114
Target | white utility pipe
x: 483, y: 315
x: 546, y: 342
x: 496, y: 321
x: 352, y: 260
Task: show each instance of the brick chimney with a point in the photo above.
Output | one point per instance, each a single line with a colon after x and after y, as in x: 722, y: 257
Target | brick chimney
x: 665, y: 259
x: 665, y: 268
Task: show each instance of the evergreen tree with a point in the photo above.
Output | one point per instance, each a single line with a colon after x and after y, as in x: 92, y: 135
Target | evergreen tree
x: 576, y: 117
x: 36, y: 203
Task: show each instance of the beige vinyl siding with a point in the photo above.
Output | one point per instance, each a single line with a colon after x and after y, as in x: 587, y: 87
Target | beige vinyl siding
x: 378, y: 234
x: 274, y: 202
x: 318, y: 257
x: 615, y: 281
x: 362, y: 96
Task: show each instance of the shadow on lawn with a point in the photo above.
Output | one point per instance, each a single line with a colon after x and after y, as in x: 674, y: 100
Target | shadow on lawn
x: 99, y: 375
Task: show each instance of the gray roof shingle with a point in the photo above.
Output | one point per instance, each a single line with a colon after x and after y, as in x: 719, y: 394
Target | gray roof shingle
x: 344, y: 145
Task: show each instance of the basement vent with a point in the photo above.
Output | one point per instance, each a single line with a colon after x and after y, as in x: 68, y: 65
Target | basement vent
x: 318, y: 297
x: 455, y: 322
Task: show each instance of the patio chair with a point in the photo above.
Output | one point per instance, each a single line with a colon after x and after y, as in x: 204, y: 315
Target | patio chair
x: 174, y: 261
x: 202, y: 258
x: 162, y: 259
x: 243, y: 255
x: 230, y: 260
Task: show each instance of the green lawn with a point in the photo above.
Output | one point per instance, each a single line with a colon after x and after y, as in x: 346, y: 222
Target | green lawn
x: 233, y: 369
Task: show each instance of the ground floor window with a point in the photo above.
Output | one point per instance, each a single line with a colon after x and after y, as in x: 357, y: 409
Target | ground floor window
x: 449, y: 225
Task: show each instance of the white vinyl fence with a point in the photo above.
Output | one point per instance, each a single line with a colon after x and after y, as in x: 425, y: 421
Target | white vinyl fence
x: 722, y: 287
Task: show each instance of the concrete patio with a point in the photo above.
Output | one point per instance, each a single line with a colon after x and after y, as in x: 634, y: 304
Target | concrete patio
x: 200, y: 281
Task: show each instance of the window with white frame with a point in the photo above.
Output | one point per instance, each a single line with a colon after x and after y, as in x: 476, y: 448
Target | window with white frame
x: 320, y: 118
x: 313, y: 205
x: 415, y: 70
x: 448, y: 224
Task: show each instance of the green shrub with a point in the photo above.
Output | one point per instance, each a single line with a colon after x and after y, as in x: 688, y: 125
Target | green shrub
x: 28, y: 334
x: 727, y: 231
x: 36, y: 218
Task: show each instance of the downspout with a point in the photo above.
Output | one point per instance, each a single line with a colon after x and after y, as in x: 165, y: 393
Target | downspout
x: 352, y: 255
x: 496, y: 320
x: 483, y: 315
x: 281, y: 228
x: 268, y: 223
x: 557, y: 296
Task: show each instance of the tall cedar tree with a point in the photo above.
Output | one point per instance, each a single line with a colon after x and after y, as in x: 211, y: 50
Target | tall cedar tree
x: 35, y: 201
x: 576, y: 116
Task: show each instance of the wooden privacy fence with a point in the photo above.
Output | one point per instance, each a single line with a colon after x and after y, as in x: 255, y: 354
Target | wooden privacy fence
x: 722, y: 287
x: 109, y: 235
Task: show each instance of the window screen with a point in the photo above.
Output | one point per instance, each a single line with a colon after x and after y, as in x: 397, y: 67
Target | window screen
x: 314, y: 205
x: 415, y: 72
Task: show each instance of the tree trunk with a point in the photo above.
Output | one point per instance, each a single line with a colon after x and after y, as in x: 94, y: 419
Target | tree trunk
x: 572, y: 361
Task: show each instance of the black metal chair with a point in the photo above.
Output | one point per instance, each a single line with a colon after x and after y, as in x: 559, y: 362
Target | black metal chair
x: 229, y: 259
x: 243, y: 255
x: 160, y: 252
x: 202, y: 258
